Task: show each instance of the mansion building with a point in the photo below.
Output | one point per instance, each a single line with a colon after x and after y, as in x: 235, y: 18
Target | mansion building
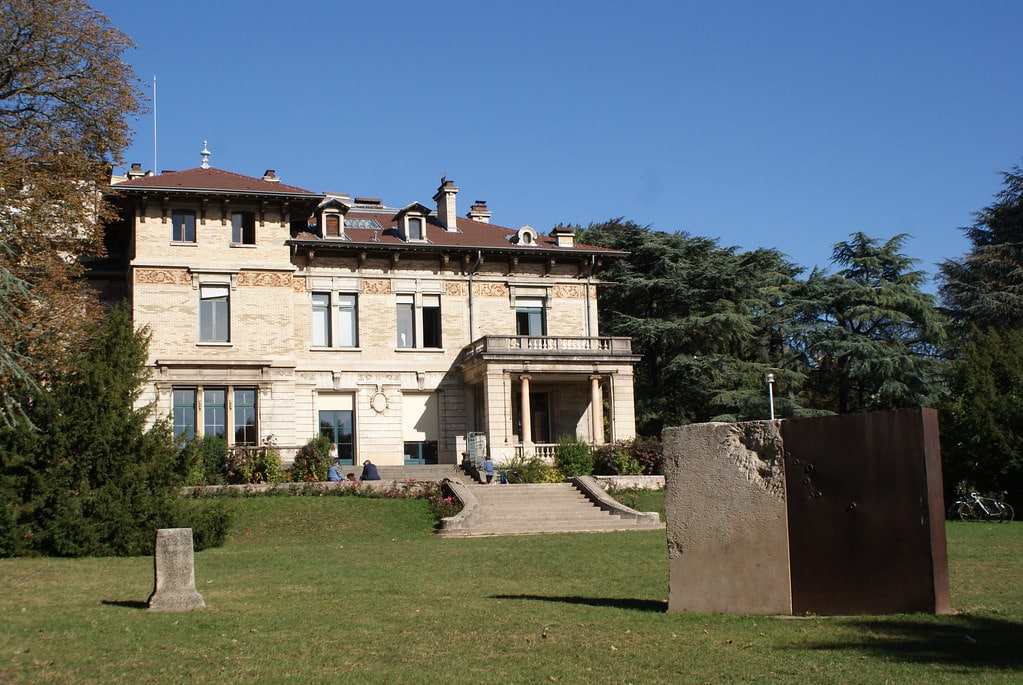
x: 407, y: 335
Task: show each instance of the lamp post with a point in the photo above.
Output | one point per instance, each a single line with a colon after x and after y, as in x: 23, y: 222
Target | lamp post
x: 769, y: 377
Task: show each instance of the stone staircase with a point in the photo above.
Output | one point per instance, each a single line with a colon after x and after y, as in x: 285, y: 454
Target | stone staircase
x: 424, y: 472
x: 526, y: 509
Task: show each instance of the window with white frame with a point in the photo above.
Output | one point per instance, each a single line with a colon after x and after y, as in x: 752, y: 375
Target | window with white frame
x: 321, y: 320
x: 214, y: 313
x: 243, y: 228
x: 418, y: 321
x: 406, y: 321
x: 182, y: 226
x: 330, y: 330
x: 347, y: 320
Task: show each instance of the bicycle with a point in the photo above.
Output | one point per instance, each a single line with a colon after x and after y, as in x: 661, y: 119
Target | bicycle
x: 973, y: 507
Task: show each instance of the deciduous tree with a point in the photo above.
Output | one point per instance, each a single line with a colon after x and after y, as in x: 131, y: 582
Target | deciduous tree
x: 65, y: 95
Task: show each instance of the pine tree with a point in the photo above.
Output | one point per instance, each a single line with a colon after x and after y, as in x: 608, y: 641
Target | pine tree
x: 93, y: 479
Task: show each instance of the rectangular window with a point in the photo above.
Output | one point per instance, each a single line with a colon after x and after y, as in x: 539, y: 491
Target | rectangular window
x: 182, y: 226
x: 431, y: 321
x: 245, y: 417
x: 337, y: 426
x: 214, y: 411
x: 321, y: 319
x: 333, y: 225
x: 214, y: 313
x: 415, y: 228
x: 529, y: 317
x: 243, y: 228
x: 184, y: 413
x: 406, y: 321
x: 348, y: 320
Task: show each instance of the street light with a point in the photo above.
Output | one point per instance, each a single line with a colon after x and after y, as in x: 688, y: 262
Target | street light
x: 769, y: 377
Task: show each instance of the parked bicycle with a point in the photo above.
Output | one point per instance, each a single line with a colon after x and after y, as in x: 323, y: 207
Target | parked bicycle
x: 972, y: 507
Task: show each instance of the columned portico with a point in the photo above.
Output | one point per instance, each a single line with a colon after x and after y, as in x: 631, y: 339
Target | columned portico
x: 559, y: 383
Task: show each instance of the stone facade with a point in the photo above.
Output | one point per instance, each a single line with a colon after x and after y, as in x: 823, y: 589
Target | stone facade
x: 273, y: 310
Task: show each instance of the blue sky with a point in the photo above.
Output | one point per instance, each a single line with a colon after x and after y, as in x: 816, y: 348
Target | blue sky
x: 762, y: 124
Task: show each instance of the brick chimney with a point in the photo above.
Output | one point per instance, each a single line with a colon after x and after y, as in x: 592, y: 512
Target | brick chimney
x: 564, y: 236
x: 479, y: 212
x: 445, y: 199
x: 136, y: 171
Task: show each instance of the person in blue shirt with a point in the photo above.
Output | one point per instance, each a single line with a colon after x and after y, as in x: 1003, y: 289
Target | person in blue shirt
x: 369, y: 471
x: 334, y: 472
x: 488, y: 469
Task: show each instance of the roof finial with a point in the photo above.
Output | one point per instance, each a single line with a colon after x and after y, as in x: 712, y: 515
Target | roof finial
x: 205, y: 156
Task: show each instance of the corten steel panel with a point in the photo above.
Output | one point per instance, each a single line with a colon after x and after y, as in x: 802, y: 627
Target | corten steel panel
x: 866, y: 524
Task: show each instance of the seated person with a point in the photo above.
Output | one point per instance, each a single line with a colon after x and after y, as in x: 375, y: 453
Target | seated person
x: 350, y: 476
x: 369, y: 471
x: 334, y: 472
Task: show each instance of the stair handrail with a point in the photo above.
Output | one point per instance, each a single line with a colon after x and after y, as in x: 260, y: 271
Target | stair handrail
x: 590, y: 487
x: 466, y: 518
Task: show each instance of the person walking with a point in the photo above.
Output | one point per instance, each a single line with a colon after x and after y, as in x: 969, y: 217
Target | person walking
x: 488, y: 469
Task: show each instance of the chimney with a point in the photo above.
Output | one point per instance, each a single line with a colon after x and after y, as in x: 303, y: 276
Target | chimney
x: 564, y: 236
x: 445, y: 199
x: 270, y: 177
x: 479, y: 212
x: 136, y: 171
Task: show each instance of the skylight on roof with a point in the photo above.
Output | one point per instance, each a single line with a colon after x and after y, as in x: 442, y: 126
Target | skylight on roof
x: 362, y: 223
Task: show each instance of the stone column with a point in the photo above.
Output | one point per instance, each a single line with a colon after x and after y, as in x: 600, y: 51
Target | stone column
x: 174, y: 562
x: 596, y: 412
x: 524, y: 410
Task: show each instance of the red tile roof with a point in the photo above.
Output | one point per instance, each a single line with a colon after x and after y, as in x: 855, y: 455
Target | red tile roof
x: 200, y: 179
x: 470, y: 234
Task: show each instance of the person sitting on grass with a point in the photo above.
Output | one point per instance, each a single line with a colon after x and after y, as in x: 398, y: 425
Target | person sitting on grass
x: 369, y: 471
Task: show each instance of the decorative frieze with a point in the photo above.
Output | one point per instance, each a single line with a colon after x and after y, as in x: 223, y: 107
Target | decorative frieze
x: 490, y: 289
x: 163, y: 276
x: 264, y: 279
x: 456, y: 289
x: 569, y: 292
x: 376, y: 286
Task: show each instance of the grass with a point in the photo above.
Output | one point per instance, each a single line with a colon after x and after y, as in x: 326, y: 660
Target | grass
x: 331, y: 589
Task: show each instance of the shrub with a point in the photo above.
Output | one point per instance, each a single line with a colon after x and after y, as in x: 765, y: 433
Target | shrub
x: 642, y: 456
x: 209, y: 519
x: 312, y: 461
x: 615, y: 460
x: 573, y: 457
x: 530, y: 470
x: 649, y: 452
x: 442, y: 504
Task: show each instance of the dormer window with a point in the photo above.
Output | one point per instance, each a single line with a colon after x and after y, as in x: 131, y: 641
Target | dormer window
x: 331, y: 217
x: 332, y: 226
x: 411, y: 222
x: 526, y: 236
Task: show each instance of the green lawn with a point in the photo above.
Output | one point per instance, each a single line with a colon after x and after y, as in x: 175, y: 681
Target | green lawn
x: 341, y: 589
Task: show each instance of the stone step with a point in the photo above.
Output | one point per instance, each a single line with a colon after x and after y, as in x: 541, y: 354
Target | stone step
x: 534, y: 508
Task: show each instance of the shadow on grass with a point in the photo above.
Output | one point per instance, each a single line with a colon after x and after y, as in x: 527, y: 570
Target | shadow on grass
x: 658, y: 606
x: 966, y: 641
x: 125, y: 603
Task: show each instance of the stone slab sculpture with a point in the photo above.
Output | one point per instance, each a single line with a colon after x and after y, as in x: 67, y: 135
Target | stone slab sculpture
x: 830, y: 515
x: 174, y: 571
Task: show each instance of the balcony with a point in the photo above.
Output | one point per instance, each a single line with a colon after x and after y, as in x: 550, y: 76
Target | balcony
x: 493, y: 347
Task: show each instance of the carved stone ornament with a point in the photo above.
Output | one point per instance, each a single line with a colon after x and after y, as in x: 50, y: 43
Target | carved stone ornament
x: 379, y: 403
